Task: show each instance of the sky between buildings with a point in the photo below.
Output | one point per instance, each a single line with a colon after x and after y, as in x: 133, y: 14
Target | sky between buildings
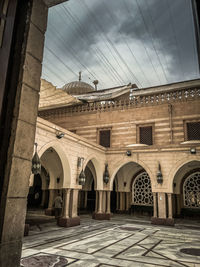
x: 147, y: 42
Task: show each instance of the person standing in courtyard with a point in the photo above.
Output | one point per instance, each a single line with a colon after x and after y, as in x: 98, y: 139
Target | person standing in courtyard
x: 58, y: 206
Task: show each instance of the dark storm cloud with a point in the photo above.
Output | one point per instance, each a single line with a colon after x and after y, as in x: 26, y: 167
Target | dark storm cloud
x: 79, y: 37
x: 82, y: 33
x: 170, y: 26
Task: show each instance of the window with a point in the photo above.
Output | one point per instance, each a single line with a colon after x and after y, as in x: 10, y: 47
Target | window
x: 191, y: 191
x: 145, y: 135
x: 104, y: 138
x: 141, y: 190
x: 193, y: 131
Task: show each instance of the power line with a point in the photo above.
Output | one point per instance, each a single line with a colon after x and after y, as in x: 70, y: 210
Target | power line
x: 134, y: 57
x: 174, y: 33
x: 146, y: 51
x: 72, y: 52
x: 55, y: 74
x: 147, y: 30
x: 109, y: 41
x: 114, y: 72
x: 156, y: 33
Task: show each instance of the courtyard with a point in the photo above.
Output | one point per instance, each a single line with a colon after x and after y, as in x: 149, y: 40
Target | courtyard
x: 123, y: 241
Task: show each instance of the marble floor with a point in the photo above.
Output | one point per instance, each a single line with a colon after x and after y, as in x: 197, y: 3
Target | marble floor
x: 122, y: 241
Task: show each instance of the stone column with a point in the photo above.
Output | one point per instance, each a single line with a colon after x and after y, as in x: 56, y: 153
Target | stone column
x: 127, y: 200
x: 100, y: 202
x: 178, y: 204
x: 104, y: 200
x: 162, y: 210
x: 155, y: 213
x: 70, y: 217
x: 43, y: 198
x: 170, y: 215
x: 117, y: 200
x: 50, y: 210
x: 24, y: 30
x: 51, y: 198
x: 108, y: 203
x: 121, y: 201
x: 162, y: 213
x: 85, y: 199
x: 66, y: 203
x: 96, y: 202
x: 74, y: 202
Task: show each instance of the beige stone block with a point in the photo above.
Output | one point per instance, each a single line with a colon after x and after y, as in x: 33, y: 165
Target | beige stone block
x: 15, y: 212
x: 39, y: 14
x: 161, y: 205
x: 28, y: 104
x: 35, y: 44
x: 25, y: 136
x: 19, y: 178
x: 32, y: 72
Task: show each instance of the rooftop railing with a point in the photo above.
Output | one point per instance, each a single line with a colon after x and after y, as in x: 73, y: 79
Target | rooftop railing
x: 134, y: 101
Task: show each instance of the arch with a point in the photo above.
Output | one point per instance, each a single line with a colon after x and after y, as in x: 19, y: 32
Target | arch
x: 98, y: 178
x: 63, y: 158
x: 177, y: 167
x: 120, y: 164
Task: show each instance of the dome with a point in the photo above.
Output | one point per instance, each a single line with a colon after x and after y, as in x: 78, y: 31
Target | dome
x: 77, y: 88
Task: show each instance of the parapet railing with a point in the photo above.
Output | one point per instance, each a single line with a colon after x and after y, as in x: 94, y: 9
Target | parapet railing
x: 134, y: 101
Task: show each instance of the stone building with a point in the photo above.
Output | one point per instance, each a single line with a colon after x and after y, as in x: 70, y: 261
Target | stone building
x: 148, y: 138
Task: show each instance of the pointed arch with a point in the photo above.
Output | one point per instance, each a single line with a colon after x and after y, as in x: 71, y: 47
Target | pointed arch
x: 98, y: 168
x: 120, y: 164
x: 65, y: 161
x: 181, y: 163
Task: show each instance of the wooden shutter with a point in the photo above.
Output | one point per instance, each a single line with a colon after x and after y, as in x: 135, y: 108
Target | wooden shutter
x: 104, y: 138
x: 146, y: 135
x: 193, y: 131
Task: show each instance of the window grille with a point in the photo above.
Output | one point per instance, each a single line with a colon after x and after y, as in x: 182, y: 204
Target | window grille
x: 193, y: 130
x: 146, y: 135
x: 191, y: 191
x: 104, y: 138
x: 141, y: 190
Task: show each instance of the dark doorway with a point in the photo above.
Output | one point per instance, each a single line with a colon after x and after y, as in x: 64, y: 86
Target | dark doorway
x: 91, y: 199
x: 35, y: 193
x: 114, y: 199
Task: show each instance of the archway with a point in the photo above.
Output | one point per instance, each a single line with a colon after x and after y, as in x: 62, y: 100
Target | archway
x: 50, y: 159
x: 132, y: 191
x: 45, y: 186
x: 87, y: 196
x: 186, y: 189
x: 38, y: 196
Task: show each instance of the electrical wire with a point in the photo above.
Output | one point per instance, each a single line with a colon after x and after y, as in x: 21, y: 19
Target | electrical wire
x: 109, y: 41
x: 99, y: 52
x: 126, y: 43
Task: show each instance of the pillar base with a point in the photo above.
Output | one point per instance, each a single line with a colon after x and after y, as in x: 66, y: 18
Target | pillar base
x: 101, y: 216
x: 68, y: 222
x: 162, y: 221
x: 26, y: 229
x: 50, y: 212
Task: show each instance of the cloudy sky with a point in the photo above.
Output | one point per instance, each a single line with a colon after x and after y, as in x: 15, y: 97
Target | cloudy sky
x: 147, y: 42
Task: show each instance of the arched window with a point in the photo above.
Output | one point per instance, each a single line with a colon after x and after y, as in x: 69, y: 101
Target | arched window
x: 141, y: 190
x: 191, y: 191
